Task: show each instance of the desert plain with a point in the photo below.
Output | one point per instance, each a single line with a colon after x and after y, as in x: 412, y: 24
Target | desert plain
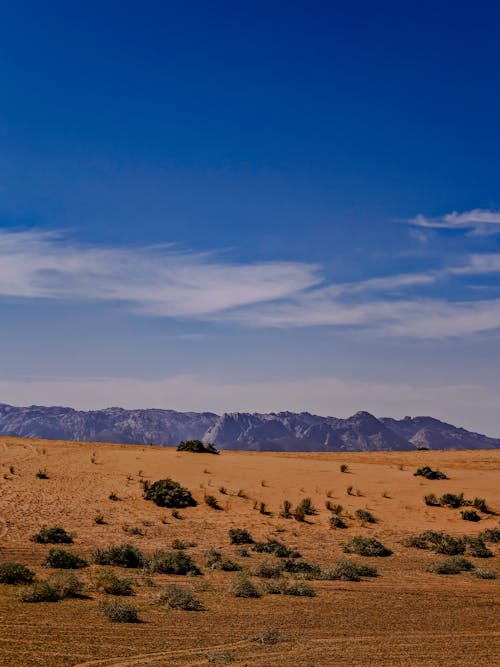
x: 406, y: 616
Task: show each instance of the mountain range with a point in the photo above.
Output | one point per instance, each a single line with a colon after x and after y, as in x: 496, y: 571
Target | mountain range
x: 282, y: 431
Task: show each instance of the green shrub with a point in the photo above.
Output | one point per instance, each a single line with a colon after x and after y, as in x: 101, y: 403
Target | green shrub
x: 242, y: 587
x: 453, y: 500
x: 302, y: 568
x: 216, y: 561
x: 15, y: 573
x: 172, y: 562
x: 429, y: 473
x: 177, y: 597
x: 484, y: 573
x: 53, y: 535
x: 41, y: 591
x: 106, y: 581
x: 168, y: 493
x: 211, y: 501
x: 365, y: 515
x: 491, y: 535
x: 452, y: 565
x: 336, y: 522
x: 431, y: 500
x: 196, y: 447
x: 63, y: 560
x: 475, y: 547
x: 240, y: 536
x: 268, y: 570
x: 470, y: 515
x: 349, y: 570
x: 118, y: 612
x: 277, y: 548
x: 123, y: 555
x: 366, y: 546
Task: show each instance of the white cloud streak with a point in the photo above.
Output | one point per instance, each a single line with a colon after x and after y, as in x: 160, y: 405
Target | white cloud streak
x: 480, y: 220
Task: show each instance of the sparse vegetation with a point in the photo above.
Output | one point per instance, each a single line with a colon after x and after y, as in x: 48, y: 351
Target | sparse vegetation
x: 429, y: 473
x: 452, y: 565
x: 216, y: 561
x: 57, y: 587
x: 365, y: 516
x: 366, y: 546
x: 106, y: 581
x: 99, y: 520
x: 52, y: 535
x: 112, y: 496
x: 172, y: 562
x: 168, y: 493
x: 475, y: 547
x: 284, y: 587
x: 484, y: 573
x: 15, y: 573
x: 268, y: 569
x: 242, y: 587
x: 302, y: 568
x: 431, y: 500
x: 196, y: 447
x: 349, y: 570
x: 123, y: 555
x: 42, y: 474
x: 470, y: 515
x: 182, y: 545
x: 64, y: 560
x: 286, y: 510
x: 41, y: 591
x: 336, y: 522
x: 277, y: 548
x: 491, y: 535
x: 118, y: 612
x: 212, y: 502
x: 240, y: 536
x: 178, y: 597
x: 306, y: 507
x: 344, y: 468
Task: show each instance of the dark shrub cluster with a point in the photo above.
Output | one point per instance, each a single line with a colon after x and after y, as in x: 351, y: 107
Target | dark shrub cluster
x: 470, y: 515
x: 196, y: 447
x: 491, y: 535
x: 212, y: 502
x: 64, y: 560
x: 168, y: 493
x: 267, y: 569
x: 349, y: 570
x: 302, y: 569
x: 123, y: 555
x: 277, y: 548
x: 366, y: 546
x: 52, y: 535
x: 365, y: 515
x: 177, y: 597
x: 452, y: 565
x: 240, y: 536
x: 172, y: 562
x: 429, y: 473
x: 118, y: 612
x: 106, y: 581
x: 453, y: 500
x: 15, y: 573
x: 216, y: 561
x: 475, y: 547
x: 336, y: 522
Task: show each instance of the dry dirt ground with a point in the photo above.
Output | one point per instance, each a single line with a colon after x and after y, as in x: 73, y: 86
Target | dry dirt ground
x: 406, y: 616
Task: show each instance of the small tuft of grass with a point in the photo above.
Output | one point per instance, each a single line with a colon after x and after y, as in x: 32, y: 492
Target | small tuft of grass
x: 336, y: 522
x: 212, y: 502
x: 344, y: 468
x: 365, y: 515
x: 286, y: 510
x: 42, y: 474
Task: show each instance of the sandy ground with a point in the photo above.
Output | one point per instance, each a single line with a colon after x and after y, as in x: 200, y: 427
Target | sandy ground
x: 405, y: 617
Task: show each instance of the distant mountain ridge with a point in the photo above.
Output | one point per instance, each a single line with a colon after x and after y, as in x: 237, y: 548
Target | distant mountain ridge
x: 282, y: 431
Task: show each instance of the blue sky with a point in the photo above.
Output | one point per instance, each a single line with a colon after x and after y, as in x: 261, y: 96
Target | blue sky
x: 236, y: 207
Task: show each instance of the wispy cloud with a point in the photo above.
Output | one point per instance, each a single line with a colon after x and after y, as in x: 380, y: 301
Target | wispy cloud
x: 163, y: 281
x: 479, y: 220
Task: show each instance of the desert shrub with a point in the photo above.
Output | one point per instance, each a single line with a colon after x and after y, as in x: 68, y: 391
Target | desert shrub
x: 106, y: 581
x: 118, y: 612
x: 172, y: 562
x: 240, y: 536
x: 42, y: 474
x: 64, y: 560
x: 448, y: 545
x: 41, y: 591
x: 302, y: 568
x: 365, y: 515
x: 113, y: 496
x: 475, y: 547
x: 306, y: 507
x: 242, y: 587
x: 53, y: 535
x: 481, y: 505
x: 415, y: 541
x: 181, y: 546
x: 196, y: 447
x: 484, y: 573
x: 268, y: 570
x: 349, y: 570
x: 286, y: 510
x: 211, y: 501
x: 470, y: 515
x: 366, y: 546
x: 299, y: 513
x: 491, y: 535
x: 300, y: 589
x: 216, y: 561
x: 123, y: 555
x: 15, y: 573
x: 177, y: 597
x: 168, y: 493
x: 336, y: 522
x: 277, y: 548
x: 99, y: 520
x: 453, y: 500
x: 429, y: 473
x: 452, y: 565
x: 65, y: 585
x: 335, y: 508
x: 432, y: 500
x: 344, y: 468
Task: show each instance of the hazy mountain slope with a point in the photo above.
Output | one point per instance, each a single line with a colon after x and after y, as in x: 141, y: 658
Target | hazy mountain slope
x: 286, y: 431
